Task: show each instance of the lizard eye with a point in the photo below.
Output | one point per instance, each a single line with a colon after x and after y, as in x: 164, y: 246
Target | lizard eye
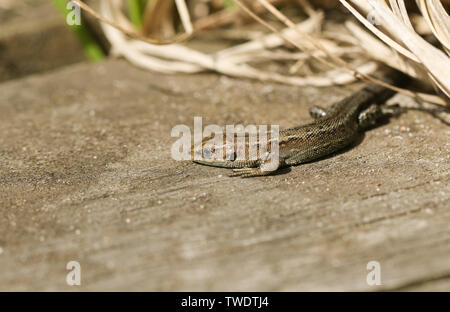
x: 207, y: 153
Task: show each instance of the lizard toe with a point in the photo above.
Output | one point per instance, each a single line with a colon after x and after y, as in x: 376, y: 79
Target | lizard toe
x: 244, y: 172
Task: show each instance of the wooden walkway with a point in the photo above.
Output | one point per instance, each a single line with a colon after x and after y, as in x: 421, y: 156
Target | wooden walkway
x: 86, y: 174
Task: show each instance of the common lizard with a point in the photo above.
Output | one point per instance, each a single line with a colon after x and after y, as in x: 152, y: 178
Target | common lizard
x: 332, y: 130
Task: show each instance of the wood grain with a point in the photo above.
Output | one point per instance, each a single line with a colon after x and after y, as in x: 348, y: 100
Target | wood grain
x: 86, y: 175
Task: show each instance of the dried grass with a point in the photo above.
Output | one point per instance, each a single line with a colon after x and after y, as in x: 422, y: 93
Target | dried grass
x: 399, y: 40
x: 325, y: 58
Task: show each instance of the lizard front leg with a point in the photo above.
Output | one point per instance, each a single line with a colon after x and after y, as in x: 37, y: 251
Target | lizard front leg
x: 264, y: 168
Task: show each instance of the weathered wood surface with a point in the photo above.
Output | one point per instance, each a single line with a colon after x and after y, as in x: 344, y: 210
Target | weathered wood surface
x: 34, y: 38
x: 86, y: 175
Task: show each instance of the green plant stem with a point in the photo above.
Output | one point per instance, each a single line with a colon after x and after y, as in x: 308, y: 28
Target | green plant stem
x: 229, y: 4
x: 91, y: 48
x: 135, y: 10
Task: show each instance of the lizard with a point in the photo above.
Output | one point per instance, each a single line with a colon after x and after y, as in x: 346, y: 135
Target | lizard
x: 332, y: 130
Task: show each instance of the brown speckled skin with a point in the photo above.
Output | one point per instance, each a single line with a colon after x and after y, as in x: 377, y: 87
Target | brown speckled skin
x: 336, y: 128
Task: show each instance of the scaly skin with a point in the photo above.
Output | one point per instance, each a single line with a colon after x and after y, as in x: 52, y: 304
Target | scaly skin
x: 333, y: 129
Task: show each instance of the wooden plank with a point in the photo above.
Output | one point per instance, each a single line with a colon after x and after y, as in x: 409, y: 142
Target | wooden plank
x: 86, y: 174
x: 34, y: 38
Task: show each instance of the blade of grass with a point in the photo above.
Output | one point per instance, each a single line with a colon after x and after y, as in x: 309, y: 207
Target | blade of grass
x: 229, y: 4
x: 135, y: 10
x: 130, y: 33
x: 91, y: 48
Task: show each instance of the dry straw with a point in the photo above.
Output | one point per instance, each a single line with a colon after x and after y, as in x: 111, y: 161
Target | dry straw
x: 388, y: 33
